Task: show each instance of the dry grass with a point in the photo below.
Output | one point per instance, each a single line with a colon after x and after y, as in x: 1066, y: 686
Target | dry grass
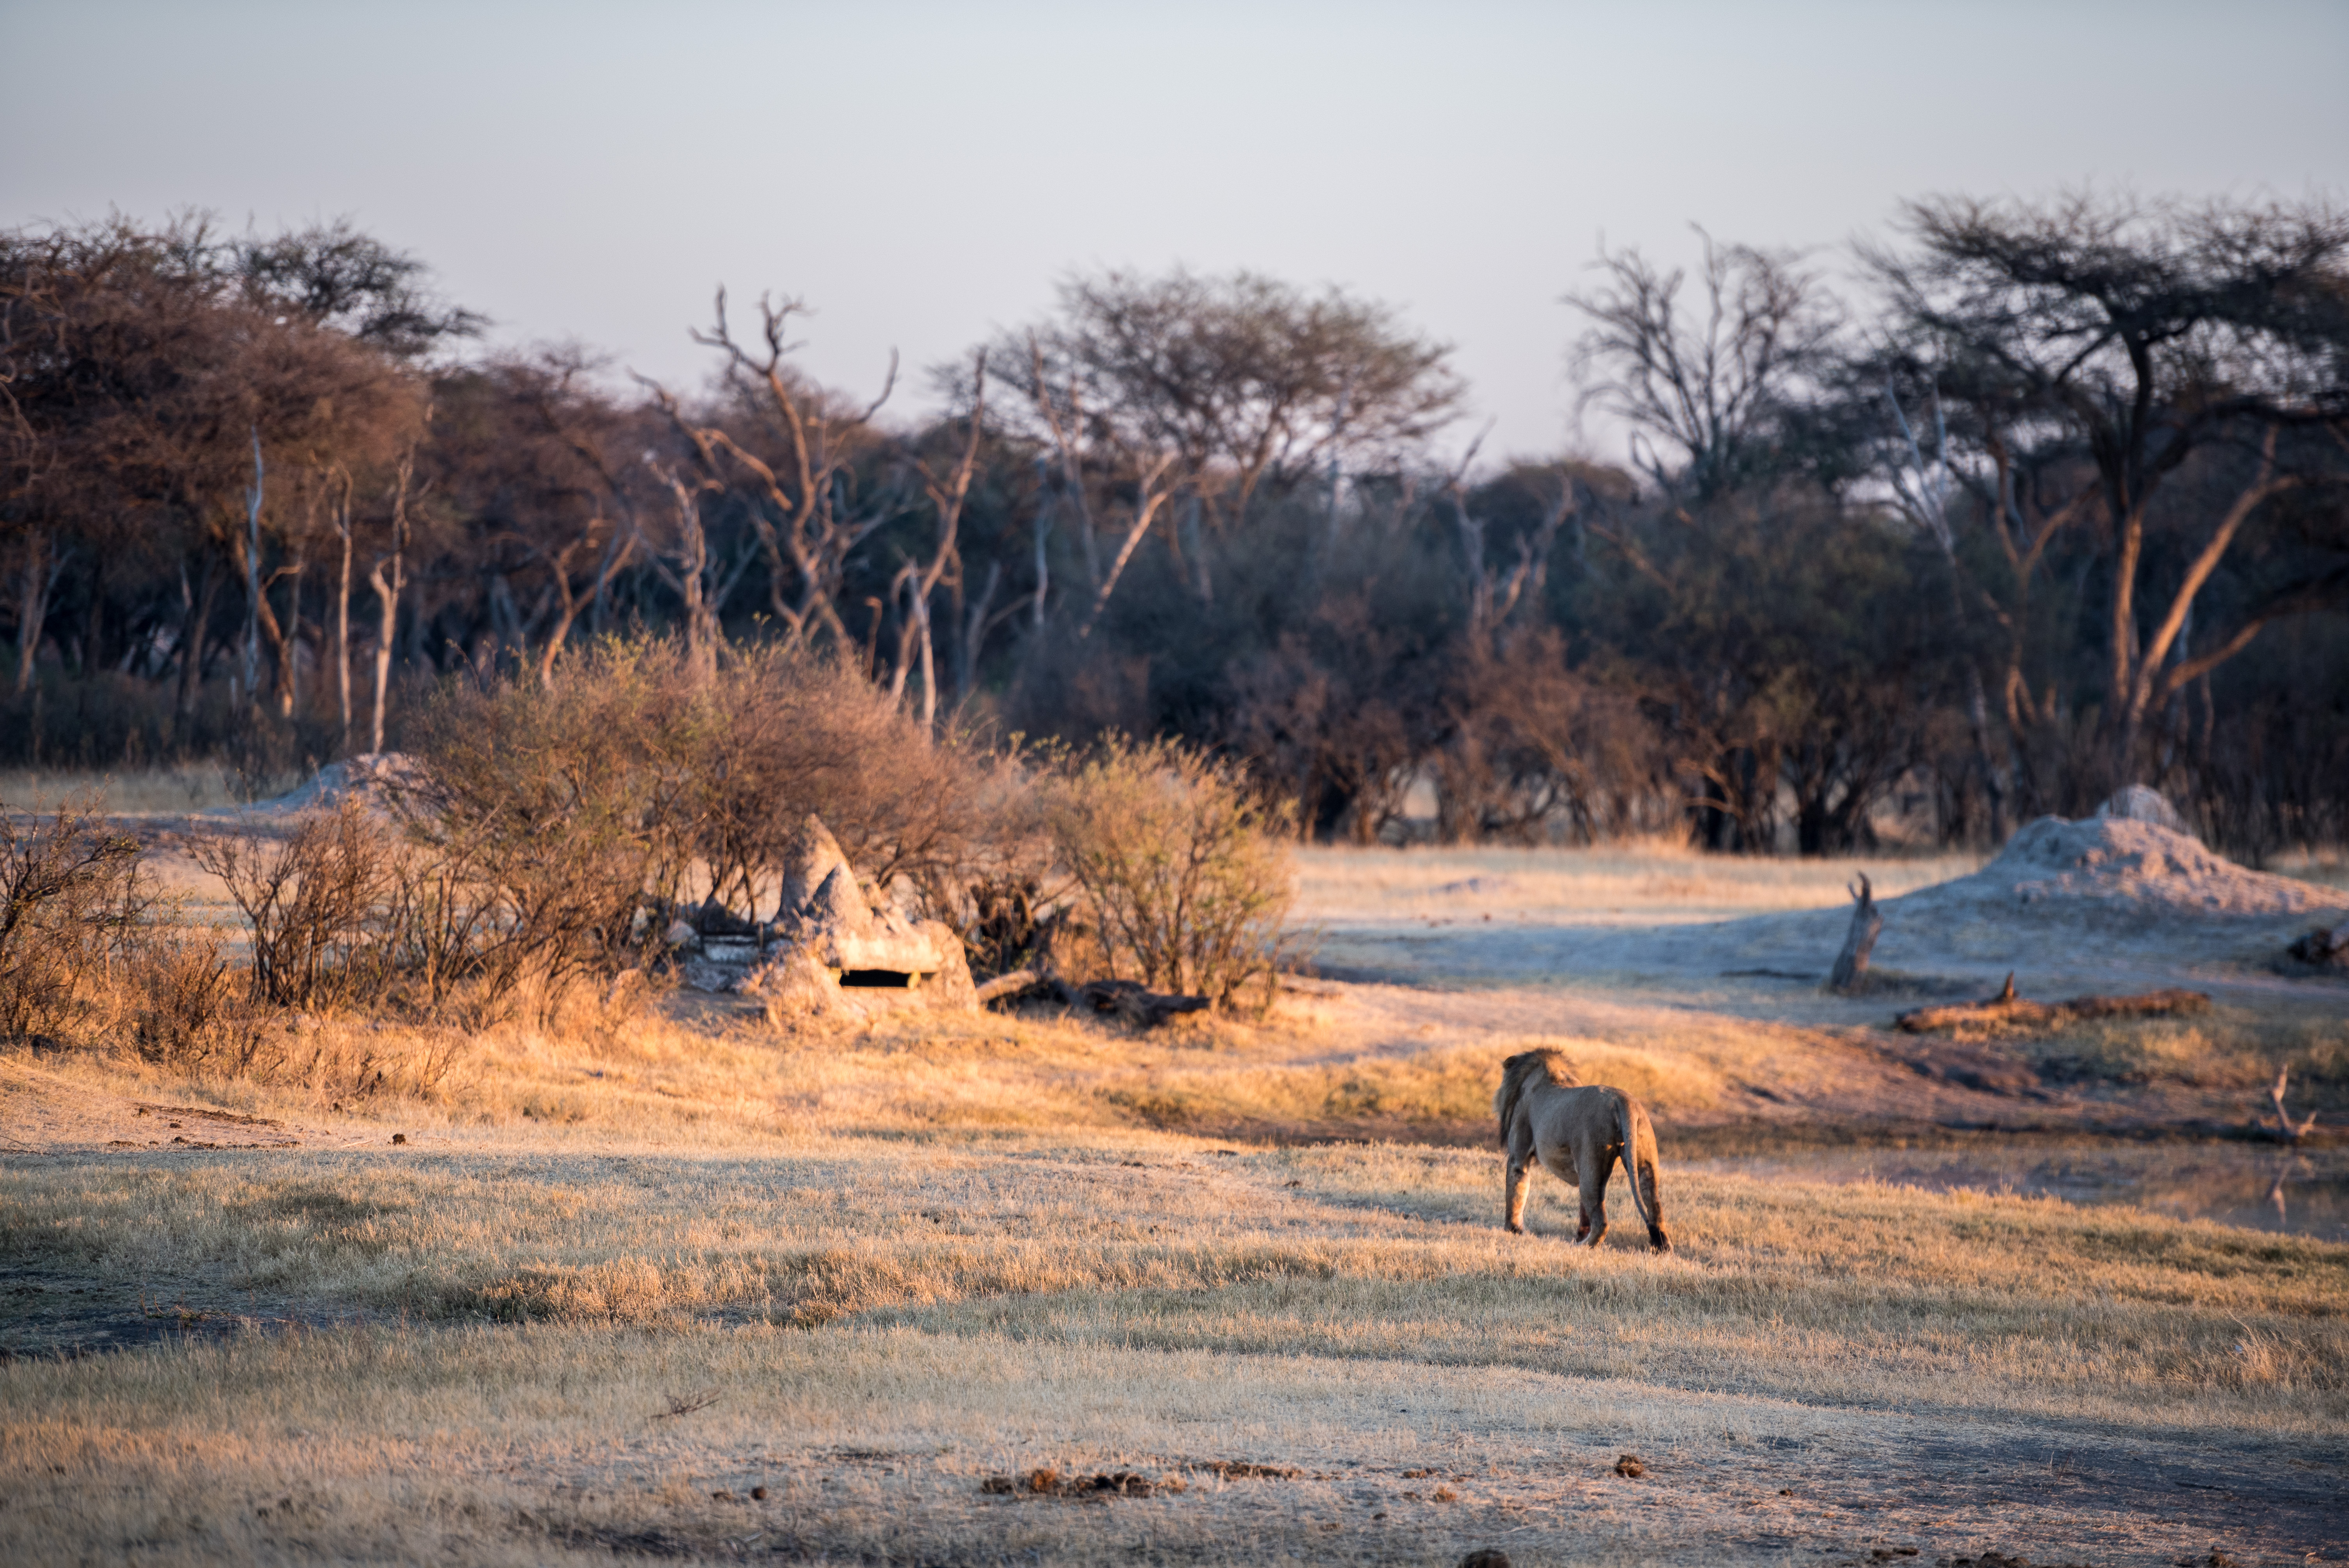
x: 189, y: 787
x: 911, y: 1256
x: 884, y: 1322
x: 2228, y: 1046
x: 1655, y: 883
x: 1961, y: 1302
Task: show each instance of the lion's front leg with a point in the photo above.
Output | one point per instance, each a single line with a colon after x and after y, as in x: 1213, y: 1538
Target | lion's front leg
x: 1521, y: 1154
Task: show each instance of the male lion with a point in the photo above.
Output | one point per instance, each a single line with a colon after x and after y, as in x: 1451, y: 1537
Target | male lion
x: 1578, y: 1132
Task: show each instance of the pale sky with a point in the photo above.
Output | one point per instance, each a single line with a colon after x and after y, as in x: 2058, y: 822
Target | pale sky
x: 922, y: 173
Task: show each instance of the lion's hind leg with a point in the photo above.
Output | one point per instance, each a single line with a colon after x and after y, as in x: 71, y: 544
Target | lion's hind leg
x: 1639, y: 1169
x: 1597, y: 1167
x: 1643, y: 1178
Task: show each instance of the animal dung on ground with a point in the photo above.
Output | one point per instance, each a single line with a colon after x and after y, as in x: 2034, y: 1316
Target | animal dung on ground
x: 1241, y: 1470
x: 1629, y: 1465
x: 1042, y: 1482
x: 2009, y: 1011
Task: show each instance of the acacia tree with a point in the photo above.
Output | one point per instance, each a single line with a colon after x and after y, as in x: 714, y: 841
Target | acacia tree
x: 158, y: 381
x: 2153, y: 342
x: 1193, y: 397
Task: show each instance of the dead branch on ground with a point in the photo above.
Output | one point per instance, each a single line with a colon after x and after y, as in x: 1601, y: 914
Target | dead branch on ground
x: 2015, y: 1012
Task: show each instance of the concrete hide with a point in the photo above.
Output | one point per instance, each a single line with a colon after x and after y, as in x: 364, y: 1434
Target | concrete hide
x: 836, y: 957
x: 815, y: 854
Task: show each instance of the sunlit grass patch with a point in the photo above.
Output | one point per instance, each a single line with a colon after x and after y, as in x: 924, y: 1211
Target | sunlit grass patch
x: 1640, y: 881
x: 185, y: 786
x: 2224, y: 1047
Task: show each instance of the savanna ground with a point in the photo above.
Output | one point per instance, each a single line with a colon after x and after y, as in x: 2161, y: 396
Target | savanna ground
x: 670, y: 1284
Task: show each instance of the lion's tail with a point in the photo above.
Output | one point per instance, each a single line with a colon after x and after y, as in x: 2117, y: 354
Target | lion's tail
x: 1640, y: 1164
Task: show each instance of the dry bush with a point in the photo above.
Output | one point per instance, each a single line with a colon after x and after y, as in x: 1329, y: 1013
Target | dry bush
x: 433, y: 917
x: 186, y: 1008
x: 71, y: 898
x: 313, y: 901
x: 787, y: 734
x: 632, y: 770
x: 1185, y: 871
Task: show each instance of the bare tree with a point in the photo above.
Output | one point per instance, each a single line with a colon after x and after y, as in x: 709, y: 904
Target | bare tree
x: 916, y: 581
x: 1491, y: 599
x: 1715, y: 387
x: 806, y: 522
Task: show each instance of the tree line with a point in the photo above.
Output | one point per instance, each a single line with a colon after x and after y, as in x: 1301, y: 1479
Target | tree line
x: 2049, y: 498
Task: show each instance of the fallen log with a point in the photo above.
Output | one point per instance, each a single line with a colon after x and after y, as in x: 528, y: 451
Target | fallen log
x: 1133, y: 1001
x: 1009, y: 985
x: 2323, y: 949
x: 2013, y: 1011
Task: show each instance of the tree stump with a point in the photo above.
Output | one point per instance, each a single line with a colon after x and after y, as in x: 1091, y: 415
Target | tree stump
x: 1867, y: 924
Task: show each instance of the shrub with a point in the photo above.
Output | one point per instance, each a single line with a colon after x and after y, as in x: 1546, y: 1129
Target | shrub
x: 630, y: 768
x: 442, y: 915
x: 71, y: 898
x: 185, y: 1008
x: 1184, y: 871
x: 315, y: 904
x: 791, y: 734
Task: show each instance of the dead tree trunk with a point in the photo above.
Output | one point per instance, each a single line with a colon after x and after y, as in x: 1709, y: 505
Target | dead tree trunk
x: 2287, y: 1130
x: 343, y: 610
x: 1867, y: 924
x: 40, y: 580
x: 386, y: 593
x: 252, y: 580
x: 1131, y: 1001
